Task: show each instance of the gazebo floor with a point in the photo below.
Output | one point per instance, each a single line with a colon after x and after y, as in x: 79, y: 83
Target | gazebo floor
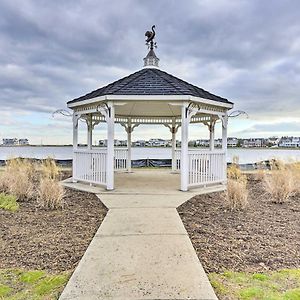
x: 144, y: 181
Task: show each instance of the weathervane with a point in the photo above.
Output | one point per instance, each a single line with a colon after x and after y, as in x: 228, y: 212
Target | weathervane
x: 150, y: 37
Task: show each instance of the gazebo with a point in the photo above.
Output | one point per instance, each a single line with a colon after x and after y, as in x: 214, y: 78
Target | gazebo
x: 150, y: 96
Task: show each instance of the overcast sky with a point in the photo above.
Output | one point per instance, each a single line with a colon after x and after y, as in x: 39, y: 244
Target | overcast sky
x: 54, y: 51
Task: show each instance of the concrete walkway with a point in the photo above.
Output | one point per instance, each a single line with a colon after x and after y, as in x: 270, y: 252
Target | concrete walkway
x: 140, y: 251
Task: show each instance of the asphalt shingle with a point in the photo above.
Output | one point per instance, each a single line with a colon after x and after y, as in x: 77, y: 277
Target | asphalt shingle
x: 150, y: 81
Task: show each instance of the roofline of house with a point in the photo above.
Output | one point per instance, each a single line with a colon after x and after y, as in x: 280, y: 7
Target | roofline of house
x: 227, y: 105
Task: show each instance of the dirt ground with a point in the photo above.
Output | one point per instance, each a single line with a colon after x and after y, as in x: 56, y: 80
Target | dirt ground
x: 53, y: 240
x: 265, y: 236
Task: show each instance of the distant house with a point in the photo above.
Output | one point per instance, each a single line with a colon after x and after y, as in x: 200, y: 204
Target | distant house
x: 232, y: 142
x: 272, y: 141
x: 10, y: 142
x: 158, y: 143
x: 289, y: 142
x: 253, y: 143
x: 23, y: 142
x: 139, y: 143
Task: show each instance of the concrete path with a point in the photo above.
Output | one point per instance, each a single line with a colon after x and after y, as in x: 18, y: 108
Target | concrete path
x: 141, y: 251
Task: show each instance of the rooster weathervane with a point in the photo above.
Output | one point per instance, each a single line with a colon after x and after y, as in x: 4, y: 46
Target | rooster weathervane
x: 150, y: 37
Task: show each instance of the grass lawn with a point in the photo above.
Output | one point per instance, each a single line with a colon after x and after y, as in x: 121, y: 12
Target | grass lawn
x: 17, y: 284
x: 276, y: 285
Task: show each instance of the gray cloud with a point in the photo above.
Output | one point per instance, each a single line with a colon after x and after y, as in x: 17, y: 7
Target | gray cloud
x: 246, y: 51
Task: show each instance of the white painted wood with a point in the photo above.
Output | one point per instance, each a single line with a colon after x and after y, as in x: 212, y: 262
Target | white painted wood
x: 129, y: 131
x: 224, y: 132
x: 173, y: 131
x: 121, y: 159
x: 90, y: 166
x: 177, y: 159
x: 211, y: 128
x: 224, y: 143
x: 75, y: 144
x: 89, y: 123
x: 146, y: 98
x: 110, y: 120
x: 206, y: 167
x: 184, y: 163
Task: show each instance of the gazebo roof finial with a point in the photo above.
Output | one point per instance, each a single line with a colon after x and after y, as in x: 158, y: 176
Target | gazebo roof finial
x: 151, y: 60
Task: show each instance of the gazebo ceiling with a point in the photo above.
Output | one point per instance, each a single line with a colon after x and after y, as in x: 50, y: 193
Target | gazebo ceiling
x: 149, y: 82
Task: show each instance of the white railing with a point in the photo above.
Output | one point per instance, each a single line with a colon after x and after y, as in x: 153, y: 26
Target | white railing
x: 177, y: 159
x: 121, y: 159
x: 90, y: 165
x: 206, y: 167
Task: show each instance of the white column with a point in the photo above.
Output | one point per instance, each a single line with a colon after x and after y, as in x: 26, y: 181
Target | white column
x: 173, y: 131
x: 75, y: 145
x: 184, y: 159
x: 224, y: 132
x: 211, y: 136
x: 110, y: 120
x: 129, y: 131
x: 90, y: 131
x: 224, y: 144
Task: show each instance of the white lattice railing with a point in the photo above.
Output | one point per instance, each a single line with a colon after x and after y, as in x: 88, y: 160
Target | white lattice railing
x: 121, y: 156
x: 90, y: 165
x: 206, y: 167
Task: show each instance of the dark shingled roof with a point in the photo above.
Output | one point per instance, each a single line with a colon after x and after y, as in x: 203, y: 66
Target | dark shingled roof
x: 150, y: 81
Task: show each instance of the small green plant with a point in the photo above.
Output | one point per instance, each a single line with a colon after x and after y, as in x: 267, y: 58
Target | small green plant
x: 8, y: 202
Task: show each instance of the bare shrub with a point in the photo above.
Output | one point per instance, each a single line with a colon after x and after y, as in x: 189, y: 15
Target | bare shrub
x: 50, y: 193
x: 49, y: 169
x: 260, y: 175
x: 280, y: 184
x: 17, y: 178
x: 295, y: 169
x: 236, y: 194
x: 234, y: 172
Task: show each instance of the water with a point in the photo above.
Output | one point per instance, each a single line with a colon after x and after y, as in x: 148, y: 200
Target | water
x: 245, y: 155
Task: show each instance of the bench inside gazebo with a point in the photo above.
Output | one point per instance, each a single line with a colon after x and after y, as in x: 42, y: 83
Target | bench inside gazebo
x: 150, y: 96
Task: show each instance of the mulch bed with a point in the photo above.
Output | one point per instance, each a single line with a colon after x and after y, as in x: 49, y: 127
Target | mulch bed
x: 265, y: 236
x: 53, y: 240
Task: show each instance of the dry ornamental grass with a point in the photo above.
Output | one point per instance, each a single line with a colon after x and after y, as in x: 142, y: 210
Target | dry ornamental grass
x: 280, y: 185
x: 28, y: 181
x: 236, y: 194
x: 50, y: 194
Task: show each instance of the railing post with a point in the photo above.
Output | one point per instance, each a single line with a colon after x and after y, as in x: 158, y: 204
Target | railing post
x: 129, y: 131
x: 184, y: 160
x: 75, y: 145
x: 224, y: 145
x: 211, y: 128
x: 110, y: 120
x: 89, y: 123
x: 173, y: 131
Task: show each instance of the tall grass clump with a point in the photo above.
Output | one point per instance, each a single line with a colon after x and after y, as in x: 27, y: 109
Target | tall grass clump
x: 50, y: 192
x: 18, y: 179
x: 49, y: 169
x: 236, y: 195
x: 281, y: 183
